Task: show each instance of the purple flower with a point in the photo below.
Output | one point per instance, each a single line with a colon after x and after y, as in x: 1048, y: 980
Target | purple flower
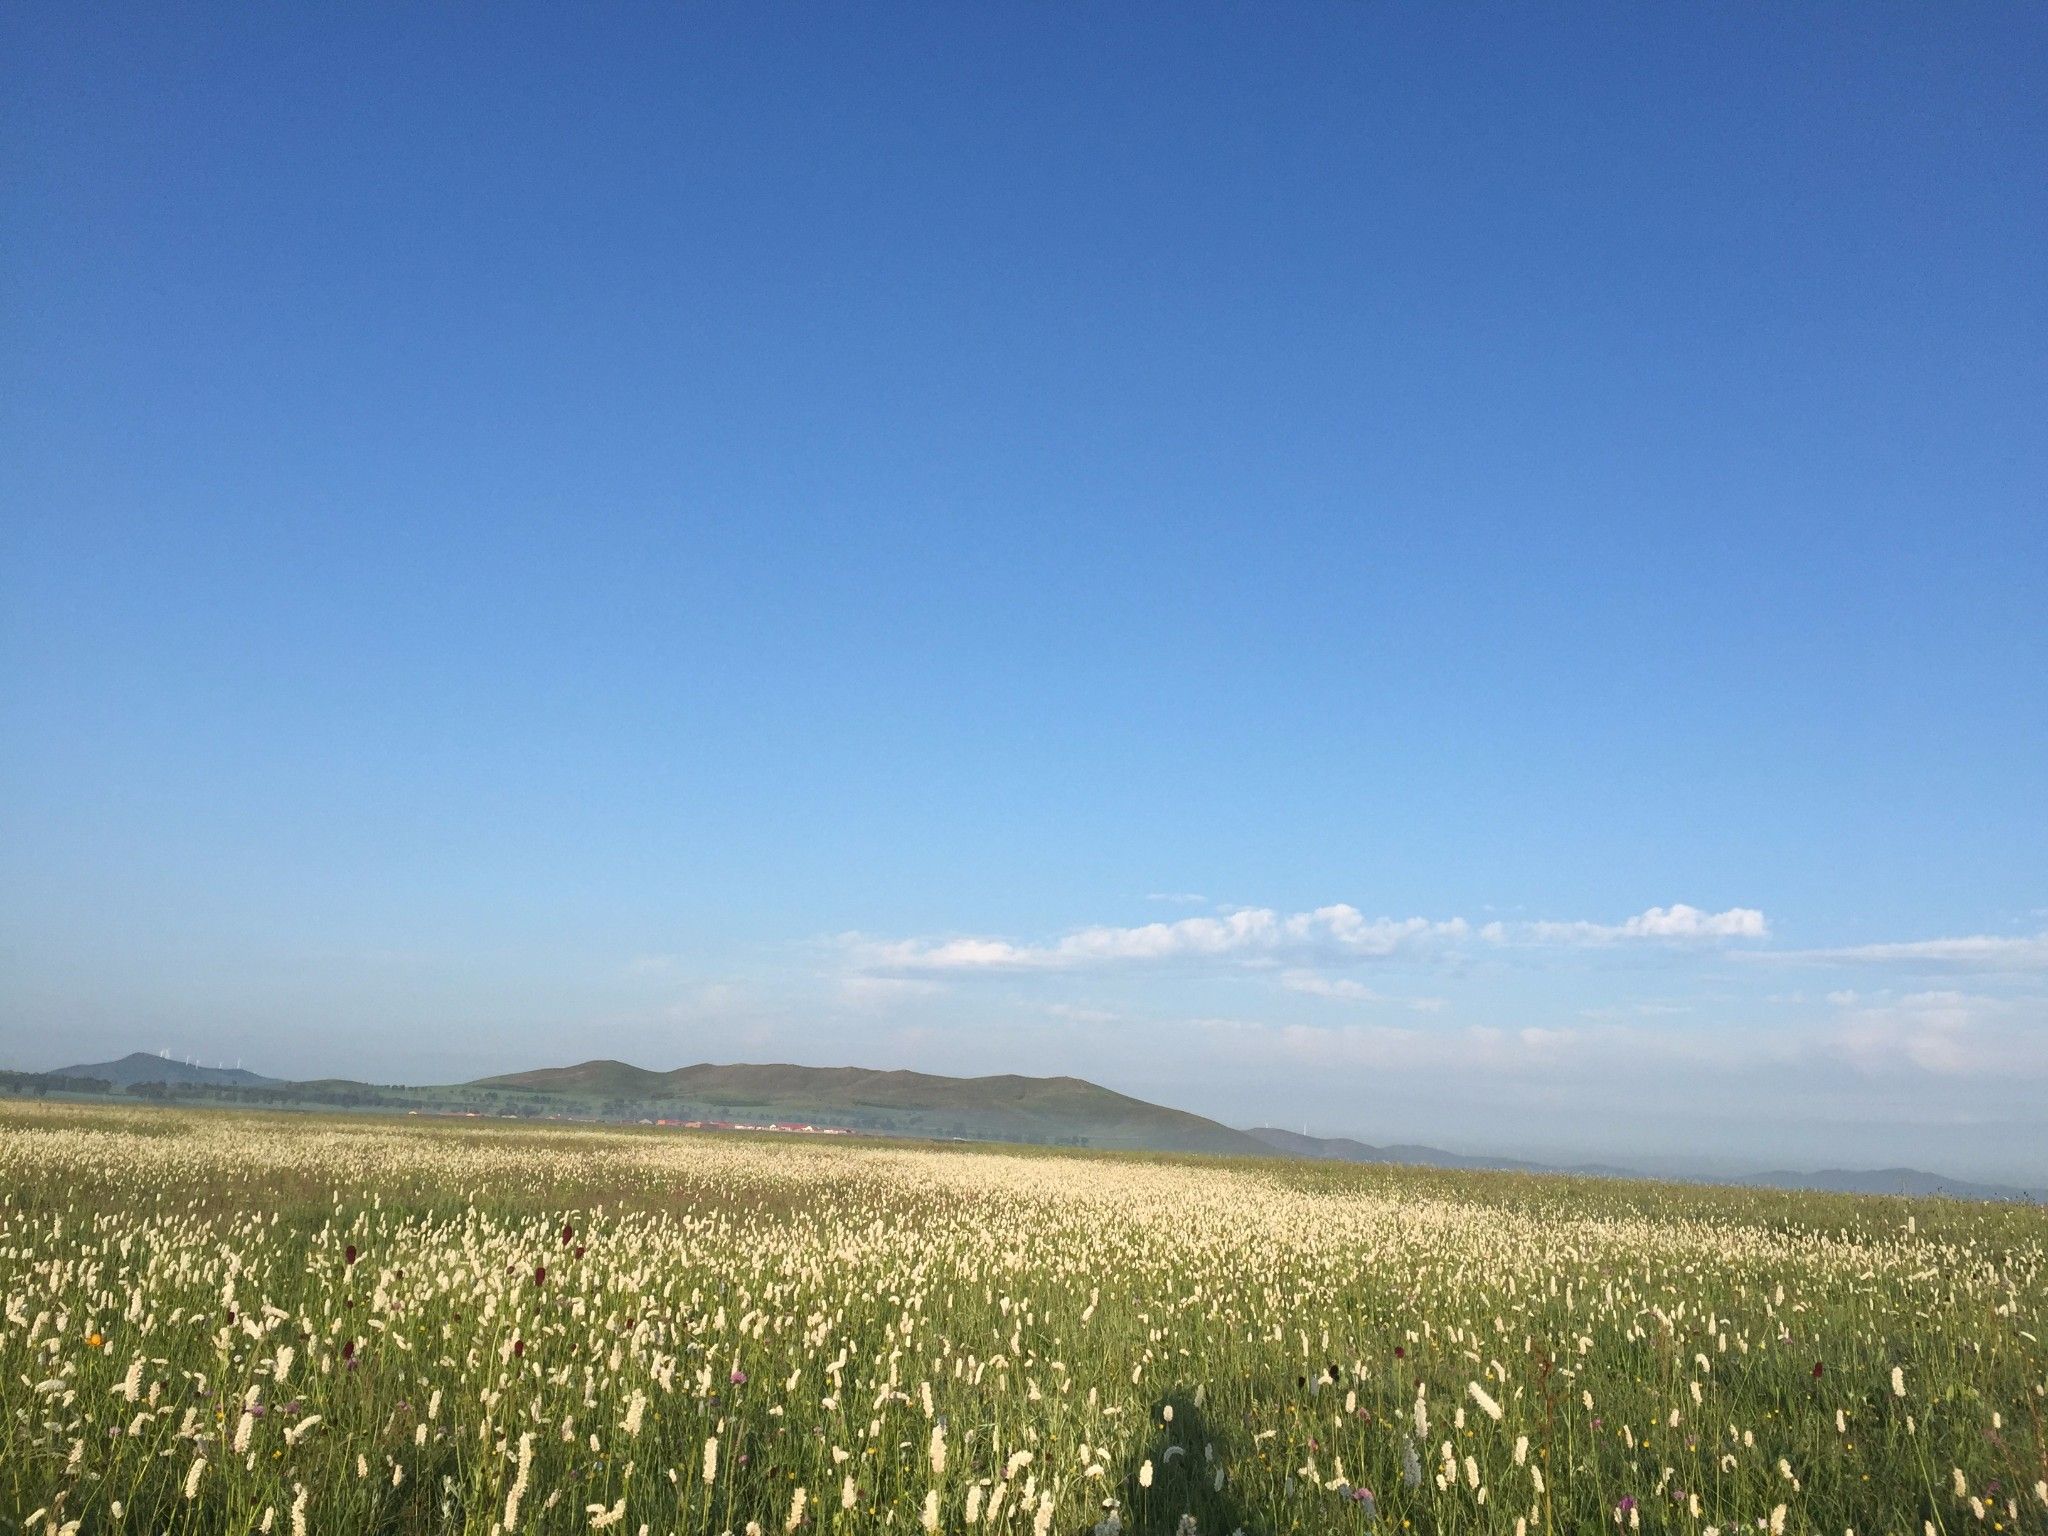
x: 739, y: 1377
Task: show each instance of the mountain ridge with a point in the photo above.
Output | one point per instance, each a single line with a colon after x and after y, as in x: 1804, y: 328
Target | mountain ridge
x: 1002, y: 1105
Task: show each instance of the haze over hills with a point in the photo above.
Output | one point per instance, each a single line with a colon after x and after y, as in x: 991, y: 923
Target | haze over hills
x: 139, y: 1067
x: 1344, y: 1149
x: 1886, y: 1181
x: 1882, y: 1181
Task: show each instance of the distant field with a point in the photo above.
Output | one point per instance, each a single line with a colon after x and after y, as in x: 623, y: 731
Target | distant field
x: 225, y: 1322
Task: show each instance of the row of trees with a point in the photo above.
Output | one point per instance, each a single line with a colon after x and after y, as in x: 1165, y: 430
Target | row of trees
x: 40, y: 1085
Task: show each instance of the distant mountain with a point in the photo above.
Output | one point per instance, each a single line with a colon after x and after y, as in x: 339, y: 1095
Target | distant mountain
x: 1055, y: 1110
x: 1884, y: 1181
x: 1888, y: 1181
x: 1006, y: 1108
x: 140, y: 1067
x: 1344, y: 1149
x: 594, y: 1079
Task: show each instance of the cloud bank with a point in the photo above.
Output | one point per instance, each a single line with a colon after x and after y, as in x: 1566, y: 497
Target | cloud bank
x: 1677, y: 921
x: 1263, y: 936
x: 1978, y: 952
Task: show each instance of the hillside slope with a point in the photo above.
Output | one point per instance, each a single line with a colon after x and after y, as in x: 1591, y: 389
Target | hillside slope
x: 998, y: 1108
x: 141, y: 1067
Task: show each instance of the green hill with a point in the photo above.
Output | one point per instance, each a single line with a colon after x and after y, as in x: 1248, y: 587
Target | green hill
x: 1005, y: 1108
x: 140, y: 1067
x: 593, y: 1079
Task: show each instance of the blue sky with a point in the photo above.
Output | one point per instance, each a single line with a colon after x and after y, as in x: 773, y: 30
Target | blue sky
x: 972, y: 538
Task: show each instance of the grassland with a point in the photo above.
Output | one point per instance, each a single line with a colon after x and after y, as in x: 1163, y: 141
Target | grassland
x: 224, y: 1322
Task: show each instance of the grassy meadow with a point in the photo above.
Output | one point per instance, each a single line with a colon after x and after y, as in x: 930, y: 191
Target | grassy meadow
x: 221, y: 1322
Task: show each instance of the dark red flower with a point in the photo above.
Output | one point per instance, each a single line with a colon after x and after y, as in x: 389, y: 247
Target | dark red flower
x: 1816, y: 1370
x: 348, y: 1350
x: 1400, y: 1353
x: 519, y: 1346
x: 349, y: 1253
x: 540, y: 1274
x: 568, y: 1234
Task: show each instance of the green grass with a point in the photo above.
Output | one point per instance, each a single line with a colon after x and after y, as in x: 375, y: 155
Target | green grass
x: 1044, y: 1310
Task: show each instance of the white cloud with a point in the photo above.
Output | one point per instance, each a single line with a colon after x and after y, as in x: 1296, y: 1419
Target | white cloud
x: 1524, y: 1054
x: 1313, y: 984
x: 883, y: 991
x: 1979, y: 952
x: 1675, y: 922
x: 1248, y: 935
x: 1947, y: 1033
x: 1913, y: 1039
x: 1263, y: 936
x: 708, y: 1000
x: 1647, y: 1008
x: 1074, y: 1014
x: 1344, y: 989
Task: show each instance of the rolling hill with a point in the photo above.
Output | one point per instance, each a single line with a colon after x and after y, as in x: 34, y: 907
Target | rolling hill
x: 141, y: 1067
x: 1005, y: 1108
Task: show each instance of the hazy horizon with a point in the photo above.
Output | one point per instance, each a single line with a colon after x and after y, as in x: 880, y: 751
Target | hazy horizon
x: 1457, y: 577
